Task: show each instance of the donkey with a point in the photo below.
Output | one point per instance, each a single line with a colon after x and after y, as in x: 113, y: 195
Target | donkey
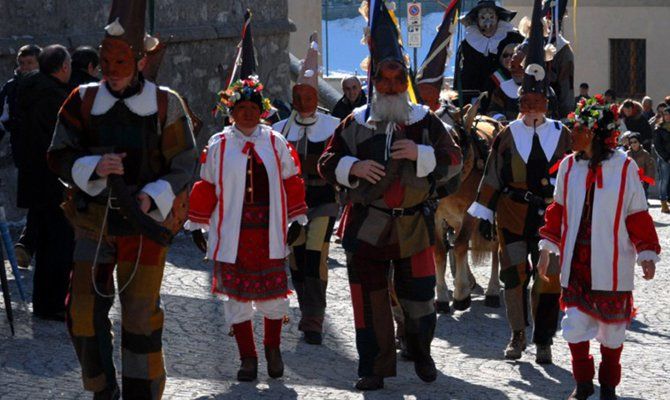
x: 475, y: 134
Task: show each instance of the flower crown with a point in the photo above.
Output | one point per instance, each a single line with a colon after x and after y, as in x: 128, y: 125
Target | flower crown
x: 599, y: 117
x: 250, y: 89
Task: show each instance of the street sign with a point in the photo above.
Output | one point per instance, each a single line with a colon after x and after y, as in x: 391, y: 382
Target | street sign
x: 414, y: 36
x: 414, y: 14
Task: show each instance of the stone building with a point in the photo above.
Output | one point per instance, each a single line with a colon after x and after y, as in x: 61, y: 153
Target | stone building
x: 619, y: 44
x: 203, y: 34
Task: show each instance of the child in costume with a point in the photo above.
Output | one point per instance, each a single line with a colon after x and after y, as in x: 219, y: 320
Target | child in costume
x: 249, y: 193
x: 600, y: 226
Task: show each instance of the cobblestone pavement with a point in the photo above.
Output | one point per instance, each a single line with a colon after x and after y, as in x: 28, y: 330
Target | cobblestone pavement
x: 39, y: 362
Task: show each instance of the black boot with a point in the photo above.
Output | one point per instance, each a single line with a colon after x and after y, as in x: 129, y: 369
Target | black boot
x: 313, y: 337
x: 248, y: 370
x: 110, y: 393
x: 607, y: 393
x: 425, y: 369
x: 275, y: 362
x: 582, y: 391
x: 370, y: 383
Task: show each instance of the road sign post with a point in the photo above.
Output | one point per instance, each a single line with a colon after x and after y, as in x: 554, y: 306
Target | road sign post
x: 414, y: 21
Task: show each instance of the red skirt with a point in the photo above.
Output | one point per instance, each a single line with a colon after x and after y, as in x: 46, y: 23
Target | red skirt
x: 254, y: 275
x: 606, y: 306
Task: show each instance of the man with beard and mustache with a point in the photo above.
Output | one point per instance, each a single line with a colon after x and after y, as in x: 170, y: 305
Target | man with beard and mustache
x: 390, y: 157
x: 517, y: 186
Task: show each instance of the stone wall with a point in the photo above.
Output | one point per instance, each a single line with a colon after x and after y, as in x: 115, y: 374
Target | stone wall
x: 203, y: 35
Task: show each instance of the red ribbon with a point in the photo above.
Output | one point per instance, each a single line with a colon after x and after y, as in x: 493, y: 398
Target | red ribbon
x: 595, y: 177
x: 249, y: 147
x: 646, y: 179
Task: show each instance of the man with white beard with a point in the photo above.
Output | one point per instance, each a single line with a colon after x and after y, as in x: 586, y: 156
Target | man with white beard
x: 390, y: 157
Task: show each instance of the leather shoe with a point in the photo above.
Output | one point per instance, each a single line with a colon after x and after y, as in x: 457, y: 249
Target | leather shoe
x: 110, y: 393
x: 275, y: 362
x: 248, y: 370
x: 582, y: 391
x: 313, y: 337
x: 425, y: 369
x: 370, y: 383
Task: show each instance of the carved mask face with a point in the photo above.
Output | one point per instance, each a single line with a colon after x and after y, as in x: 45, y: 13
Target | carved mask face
x: 305, y: 99
x: 391, y: 78
x: 430, y: 95
x: 487, y: 21
x: 116, y: 59
x: 533, y: 103
x: 581, y: 138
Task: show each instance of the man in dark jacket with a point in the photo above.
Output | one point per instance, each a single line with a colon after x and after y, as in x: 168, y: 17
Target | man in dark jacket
x: 85, y: 61
x: 40, y: 96
x: 353, y: 97
x: 634, y: 120
x: 26, y: 62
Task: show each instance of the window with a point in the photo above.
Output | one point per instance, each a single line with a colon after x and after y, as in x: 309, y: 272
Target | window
x: 628, y: 66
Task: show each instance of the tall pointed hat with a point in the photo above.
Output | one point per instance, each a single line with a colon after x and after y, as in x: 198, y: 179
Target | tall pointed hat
x: 309, y: 71
x: 384, y: 41
x: 535, y: 74
x: 244, y: 64
x: 555, y: 10
x: 432, y: 69
x: 248, y: 62
x: 127, y: 24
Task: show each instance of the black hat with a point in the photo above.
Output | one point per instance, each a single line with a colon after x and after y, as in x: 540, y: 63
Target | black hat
x: 384, y: 39
x: 432, y: 69
x: 248, y: 67
x: 503, y: 13
x: 549, y: 10
x: 535, y: 74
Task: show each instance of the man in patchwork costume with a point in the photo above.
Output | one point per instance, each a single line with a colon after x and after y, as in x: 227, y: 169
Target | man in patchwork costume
x: 126, y: 133
x: 517, y: 186
x: 391, y: 156
x: 308, y: 131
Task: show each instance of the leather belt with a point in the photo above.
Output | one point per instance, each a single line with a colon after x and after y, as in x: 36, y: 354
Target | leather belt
x: 399, y: 212
x: 526, y: 196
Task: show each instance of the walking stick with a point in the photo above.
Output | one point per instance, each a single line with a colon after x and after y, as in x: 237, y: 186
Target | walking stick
x: 9, y: 250
x: 5, y: 291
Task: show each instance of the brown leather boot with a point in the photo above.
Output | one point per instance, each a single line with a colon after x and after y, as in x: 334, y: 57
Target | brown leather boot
x: 275, y: 362
x: 248, y: 370
x: 664, y: 207
x: 516, y: 345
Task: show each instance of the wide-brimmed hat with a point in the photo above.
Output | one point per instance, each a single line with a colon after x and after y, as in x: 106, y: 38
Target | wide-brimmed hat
x: 503, y: 13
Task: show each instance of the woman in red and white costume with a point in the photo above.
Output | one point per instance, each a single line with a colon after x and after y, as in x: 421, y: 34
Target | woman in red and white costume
x: 249, y: 193
x: 600, y: 226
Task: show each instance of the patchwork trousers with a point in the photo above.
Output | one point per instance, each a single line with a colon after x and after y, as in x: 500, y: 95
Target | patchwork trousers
x: 309, y: 271
x: 414, y: 281
x: 143, y: 371
x: 516, y: 254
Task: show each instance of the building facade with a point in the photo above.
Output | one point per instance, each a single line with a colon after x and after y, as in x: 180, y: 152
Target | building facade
x: 618, y: 44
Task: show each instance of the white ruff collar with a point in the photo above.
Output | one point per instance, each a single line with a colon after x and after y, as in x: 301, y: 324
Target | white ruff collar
x: 510, y: 88
x: 416, y: 114
x: 144, y: 103
x: 321, y: 129
x: 486, y: 45
x: 549, y: 133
